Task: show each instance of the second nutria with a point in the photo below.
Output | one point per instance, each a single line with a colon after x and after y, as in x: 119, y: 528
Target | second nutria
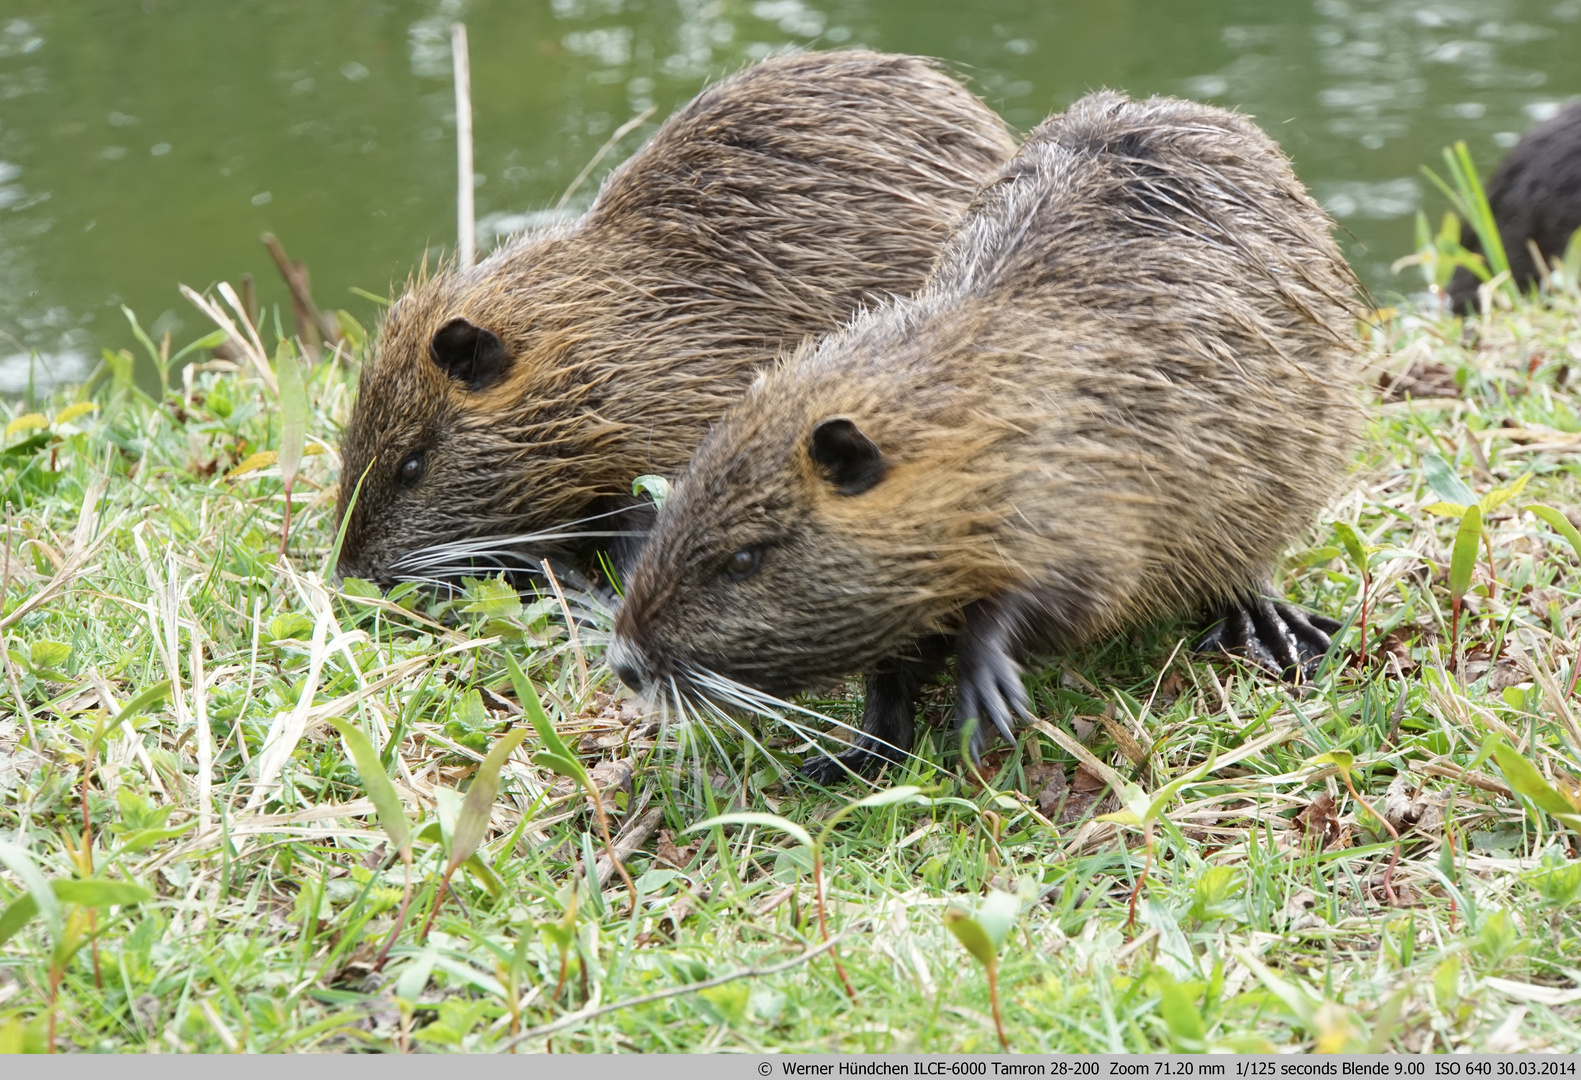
x: 1535, y: 195
x: 1126, y: 388
x: 524, y: 395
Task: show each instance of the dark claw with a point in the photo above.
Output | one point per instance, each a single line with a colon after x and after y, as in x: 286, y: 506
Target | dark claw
x: 888, y: 713
x: 1272, y: 634
x: 866, y: 759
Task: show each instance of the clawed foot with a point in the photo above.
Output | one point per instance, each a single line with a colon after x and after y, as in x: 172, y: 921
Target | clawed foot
x: 866, y: 759
x: 988, y: 686
x: 1272, y: 634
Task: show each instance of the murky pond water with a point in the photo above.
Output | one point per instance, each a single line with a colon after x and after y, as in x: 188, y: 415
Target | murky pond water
x: 145, y: 144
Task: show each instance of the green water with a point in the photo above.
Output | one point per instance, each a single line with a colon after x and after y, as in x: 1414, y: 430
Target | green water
x: 147, y: 143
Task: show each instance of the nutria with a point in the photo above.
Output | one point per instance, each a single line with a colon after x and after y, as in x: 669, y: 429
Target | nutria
x: 1535, y: 195
x: 523, y: 396
x: 1127, y: 386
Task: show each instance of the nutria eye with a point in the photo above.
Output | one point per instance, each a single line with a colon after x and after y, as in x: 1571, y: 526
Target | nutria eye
x: 743, y: 564
x: 410, y: 469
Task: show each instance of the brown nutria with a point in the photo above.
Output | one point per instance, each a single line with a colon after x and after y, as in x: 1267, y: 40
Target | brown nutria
x: 524, y: 395
x: 1535, y: 195
x: 1127, y: 386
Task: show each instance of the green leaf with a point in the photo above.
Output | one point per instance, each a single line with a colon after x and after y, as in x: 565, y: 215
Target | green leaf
x: 144, y: 700
x: 1559, y: 523
x: 89, y: 892
x: 1525, y: 779
x: 1177, y: 1008
x: 293, y: 413
x: 1464, y: 554
x: 903, y: 793
x: 415, y: 977
x: 997, y: 914
x: 656, y: 488
x: 352, y: 330
x: 21, y: 864
x: 1499, y: 496
x: 1445, y: 484
x: 748, y: 817
x: 97, y: 892
x: 376, y: 782
x: 473, y: 820
x: 48, y: 655
x: 533, y: 708
x: 495, y: 598
x: 973, y: 937
x: 1353, y: 545
x: 1343, y: 760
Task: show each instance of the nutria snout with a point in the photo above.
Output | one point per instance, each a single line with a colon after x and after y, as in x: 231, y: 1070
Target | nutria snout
x: 1125, y: 389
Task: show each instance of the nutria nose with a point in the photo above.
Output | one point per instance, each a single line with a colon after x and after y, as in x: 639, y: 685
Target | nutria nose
x: 627, y: 661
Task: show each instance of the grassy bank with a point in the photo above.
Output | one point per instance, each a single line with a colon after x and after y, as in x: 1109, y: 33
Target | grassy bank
x: 170, y: 683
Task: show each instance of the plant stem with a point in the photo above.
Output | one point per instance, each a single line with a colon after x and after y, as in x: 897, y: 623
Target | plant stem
x: 439, y: 898
x: 993, y: 999
x: 823, y: 924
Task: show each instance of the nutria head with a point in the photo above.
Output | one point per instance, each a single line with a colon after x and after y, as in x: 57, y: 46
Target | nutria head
x: 827, y: 522
x: 523, y: 396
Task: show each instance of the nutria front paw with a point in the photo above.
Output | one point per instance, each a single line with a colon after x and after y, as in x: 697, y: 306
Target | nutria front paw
x: 866, y: 759
x: 1272, y: 634
x: 988, y: 689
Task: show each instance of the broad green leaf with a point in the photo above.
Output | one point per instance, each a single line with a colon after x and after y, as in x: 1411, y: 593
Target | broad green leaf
x: 1559, y: 523
x: 142, y: 839
x: 997, y: 914
x: 481, y: 870
x: 1499, y: 496
x: 1446, y: 485
x: 255, y: 462
x: 293, y: 413
x: 473, y: 820
x: 376, y: 782
x: 1446, y: 509
x: 1524, y: 778
x: 1178, y: 1009
x: 26, y: 422
x: 1343, y: 760
x: 1464, y: 554
x: 771, y: 821
x: 74, y: 410
x: 49, y: 655
x: 21, y: 864
x: 970, y: 933
x: 97, y: 892
x: 1353, y: 545
x: 415, y: 977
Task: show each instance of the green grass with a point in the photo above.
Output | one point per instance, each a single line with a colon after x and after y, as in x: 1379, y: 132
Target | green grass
x: 1263, y: 920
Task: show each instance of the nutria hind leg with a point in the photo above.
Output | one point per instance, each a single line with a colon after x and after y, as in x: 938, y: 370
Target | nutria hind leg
x: 988, y: 686
x: 1271, y: 633
x: 889, y: 711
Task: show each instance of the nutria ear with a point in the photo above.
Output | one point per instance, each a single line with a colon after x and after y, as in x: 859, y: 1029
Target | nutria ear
x: 852, y: 462
x: 469, y: 353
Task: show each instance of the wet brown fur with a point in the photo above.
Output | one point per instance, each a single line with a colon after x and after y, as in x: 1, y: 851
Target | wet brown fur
x: 772, y: 207
x: 1128, y: 386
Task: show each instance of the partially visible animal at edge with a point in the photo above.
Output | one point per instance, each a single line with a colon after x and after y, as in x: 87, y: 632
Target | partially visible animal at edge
x: 1130, y: 384
x: 1535, y: 196
x: 508, y: 408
